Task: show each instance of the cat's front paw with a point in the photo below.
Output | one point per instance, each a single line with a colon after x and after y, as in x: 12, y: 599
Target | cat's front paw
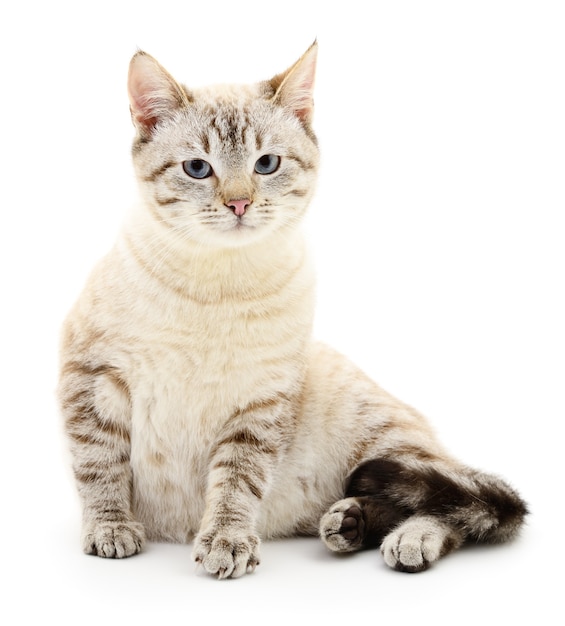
x: 417, y: 543
x: 342, y: 528
x: 225, y: 554
x: 113, y: 540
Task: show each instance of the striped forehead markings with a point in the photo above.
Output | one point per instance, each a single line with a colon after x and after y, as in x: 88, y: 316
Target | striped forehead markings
x: 231, y: 125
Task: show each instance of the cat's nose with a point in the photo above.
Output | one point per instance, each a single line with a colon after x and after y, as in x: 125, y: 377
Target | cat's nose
x: 238, y: 206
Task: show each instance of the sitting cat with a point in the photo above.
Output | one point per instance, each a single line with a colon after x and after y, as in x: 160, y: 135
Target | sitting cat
x: 196, y: 405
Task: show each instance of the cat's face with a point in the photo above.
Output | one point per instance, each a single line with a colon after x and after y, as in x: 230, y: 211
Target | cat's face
x: 224, y: 166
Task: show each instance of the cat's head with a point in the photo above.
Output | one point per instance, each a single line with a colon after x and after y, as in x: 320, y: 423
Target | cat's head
x: 227, y: 165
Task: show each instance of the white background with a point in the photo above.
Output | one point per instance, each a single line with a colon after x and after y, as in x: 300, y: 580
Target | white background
x: 438, y: 235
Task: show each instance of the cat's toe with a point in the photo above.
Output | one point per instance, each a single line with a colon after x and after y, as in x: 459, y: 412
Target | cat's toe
x: 342, y: 528
x: 113, y: 540
x: 227, y: 555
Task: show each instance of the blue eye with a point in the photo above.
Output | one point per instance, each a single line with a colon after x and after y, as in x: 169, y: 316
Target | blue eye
x: 197, y: 168
x: 267, y: 164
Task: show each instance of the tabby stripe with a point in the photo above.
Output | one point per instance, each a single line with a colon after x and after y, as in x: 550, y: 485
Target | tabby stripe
x: 155, y: 174
x: 102, y: 465
x: 310, y: 133
x: 258, y: 493
x: 297, y: 192
x: 88, y: 477
x: 116, y: 515
x: 238, y: 465
x: 86, y: 369
x: 138, y: 144
x: 214, y: 125
x: 237, y: 474
x: 166, y: 201
x: 258, y: 405
x: 84, y: 438
x: 244, y: 129
x: 305, y: 165
x: 205, y: 142
x: 228, y: 516
x: 246, y: 437
x: 98, y: 477
x: 88, y: 417
x: 89, y: 432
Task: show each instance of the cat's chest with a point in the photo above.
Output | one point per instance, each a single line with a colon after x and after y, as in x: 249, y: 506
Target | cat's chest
x: 188, y: 371
x: 191, y: 365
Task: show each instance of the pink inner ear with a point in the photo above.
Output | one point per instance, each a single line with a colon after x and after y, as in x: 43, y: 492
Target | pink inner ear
x: 152, y: 92
x: 137, y: 110
x: 139, y: 89
x: 304, y: 102
x: 296, y: 91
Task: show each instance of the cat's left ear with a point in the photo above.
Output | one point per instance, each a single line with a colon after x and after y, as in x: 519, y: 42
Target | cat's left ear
x: 154, y: 94
x: 294, y: 89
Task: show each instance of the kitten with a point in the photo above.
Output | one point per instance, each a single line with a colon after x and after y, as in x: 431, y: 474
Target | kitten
x: 196, y: 405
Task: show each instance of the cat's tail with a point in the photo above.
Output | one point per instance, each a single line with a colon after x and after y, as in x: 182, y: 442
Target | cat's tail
x: 480, y: 507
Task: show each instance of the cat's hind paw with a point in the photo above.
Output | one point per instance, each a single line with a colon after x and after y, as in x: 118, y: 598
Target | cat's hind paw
x: 113, y: 540
x: 342, y: 528
x: 225, y: 555
x: 417, y: 543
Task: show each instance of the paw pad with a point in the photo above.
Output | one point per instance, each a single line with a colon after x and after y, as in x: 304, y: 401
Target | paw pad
x: 343, y: 527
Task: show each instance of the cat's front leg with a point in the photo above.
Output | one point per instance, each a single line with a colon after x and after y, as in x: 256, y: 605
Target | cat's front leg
x: 241, y: 468
x: 96, y: 406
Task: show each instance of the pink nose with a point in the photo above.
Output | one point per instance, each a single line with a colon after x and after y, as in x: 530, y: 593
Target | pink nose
x: 238, y: 206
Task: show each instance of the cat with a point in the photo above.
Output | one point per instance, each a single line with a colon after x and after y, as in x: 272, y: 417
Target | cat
x: 197, y: 406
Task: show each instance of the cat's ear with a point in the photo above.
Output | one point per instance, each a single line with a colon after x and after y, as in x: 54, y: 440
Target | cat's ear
x: 294, y: 88
x: 153, y: 93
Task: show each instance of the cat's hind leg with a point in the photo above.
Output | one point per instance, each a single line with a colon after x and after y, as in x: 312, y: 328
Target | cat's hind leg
x: 418, y: 542
x: 418, y: 512
x: 407, y: 545
x: 342, y: 528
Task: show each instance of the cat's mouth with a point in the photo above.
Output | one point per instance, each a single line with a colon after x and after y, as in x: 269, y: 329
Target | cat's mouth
x: 233, y: 223
x: 235, y: 229
x: 241, y: 223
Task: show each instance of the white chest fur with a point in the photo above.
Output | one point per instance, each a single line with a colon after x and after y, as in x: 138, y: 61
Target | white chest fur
x: 192, y: 356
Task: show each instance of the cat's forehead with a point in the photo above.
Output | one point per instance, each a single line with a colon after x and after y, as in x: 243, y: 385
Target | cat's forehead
x: 230, y: 104
x: 234, y: 95
x: 235, y: 114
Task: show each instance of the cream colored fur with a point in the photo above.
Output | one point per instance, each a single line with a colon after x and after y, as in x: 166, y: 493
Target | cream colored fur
x: 196, y: 405
x: 194, y: 363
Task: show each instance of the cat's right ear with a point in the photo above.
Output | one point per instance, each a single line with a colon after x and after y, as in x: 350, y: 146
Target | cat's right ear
x: 154, y: 94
